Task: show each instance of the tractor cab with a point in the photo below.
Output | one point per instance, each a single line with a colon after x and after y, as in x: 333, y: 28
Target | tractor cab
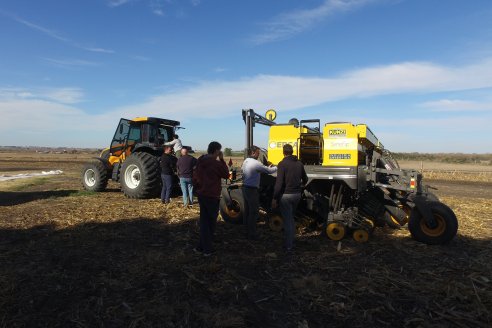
x: 143, y: 134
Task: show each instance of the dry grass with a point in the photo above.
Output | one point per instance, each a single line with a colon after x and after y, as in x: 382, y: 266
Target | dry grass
x: 69, y: 258
x: 458, y: 176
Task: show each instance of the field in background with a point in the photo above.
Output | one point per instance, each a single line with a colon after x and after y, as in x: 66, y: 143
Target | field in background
x: 74, y: 258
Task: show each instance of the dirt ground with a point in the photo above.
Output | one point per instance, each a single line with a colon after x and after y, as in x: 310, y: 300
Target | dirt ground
x: 70, y: 258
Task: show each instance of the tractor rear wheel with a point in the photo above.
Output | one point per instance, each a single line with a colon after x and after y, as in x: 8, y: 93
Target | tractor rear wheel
x: 237, y: 213
x: 445, y: 229
x: 140, y: 176
x: 94, y: 176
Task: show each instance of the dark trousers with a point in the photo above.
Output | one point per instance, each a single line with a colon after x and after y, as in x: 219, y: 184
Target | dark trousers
x: 209, y: 210
x: 288, y: 206
x: 252, y: 203
x: 167, y: 185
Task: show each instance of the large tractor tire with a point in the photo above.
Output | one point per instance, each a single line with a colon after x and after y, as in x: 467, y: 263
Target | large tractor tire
x: 237, y: 213
x: 140, y: 176
x: 445, y: 230
x: 95, y: 176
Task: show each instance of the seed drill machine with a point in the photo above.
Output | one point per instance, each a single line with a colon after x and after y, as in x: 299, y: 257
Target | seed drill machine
x: 354, y: 183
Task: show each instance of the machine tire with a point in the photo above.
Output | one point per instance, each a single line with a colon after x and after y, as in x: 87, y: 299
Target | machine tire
x: 334, y: 230
x: 237, y: 214
x: 391, y: 221
x: 140, y: 176
x: 95, y: 176
x: 447, y: 225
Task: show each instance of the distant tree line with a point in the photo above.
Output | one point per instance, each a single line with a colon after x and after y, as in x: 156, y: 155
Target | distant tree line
x: 484, y: 159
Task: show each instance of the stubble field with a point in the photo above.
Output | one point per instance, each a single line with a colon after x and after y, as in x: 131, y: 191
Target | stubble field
x: 70, y: 258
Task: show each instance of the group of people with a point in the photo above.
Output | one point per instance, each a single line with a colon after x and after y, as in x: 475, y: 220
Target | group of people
x: 182, y: 163
x: 206, y: 174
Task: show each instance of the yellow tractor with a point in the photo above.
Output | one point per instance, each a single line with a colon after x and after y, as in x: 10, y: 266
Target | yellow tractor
x: 354, y: 183
x: 132, y: 159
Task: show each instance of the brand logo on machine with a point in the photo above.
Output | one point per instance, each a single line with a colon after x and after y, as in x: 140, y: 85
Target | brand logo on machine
x: 337, y: 132
x: 341, y: 143
x: 340, y: 156
x: 280, y: 144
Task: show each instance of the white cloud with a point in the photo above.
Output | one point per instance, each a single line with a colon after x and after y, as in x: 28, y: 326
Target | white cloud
x: 70, y: 63
x: 59, y: 95
x: 117, y: 3
x: 217, y: 98
x: 55, y: 35
x: 289, y: 24
x: 222, y: 99
x: 456, y: 105
x: 220, y: 69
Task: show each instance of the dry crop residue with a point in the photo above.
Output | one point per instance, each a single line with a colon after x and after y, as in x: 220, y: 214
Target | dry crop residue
x: 74, y: 259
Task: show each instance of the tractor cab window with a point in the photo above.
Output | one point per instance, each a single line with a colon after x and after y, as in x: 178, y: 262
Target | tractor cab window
x: 134, y: 134
x: 119, y: 138
x: 166, y: 133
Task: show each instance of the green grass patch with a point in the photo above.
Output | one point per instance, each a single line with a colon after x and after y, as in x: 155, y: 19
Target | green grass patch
x: 23, y: 185
x: 82, y: 193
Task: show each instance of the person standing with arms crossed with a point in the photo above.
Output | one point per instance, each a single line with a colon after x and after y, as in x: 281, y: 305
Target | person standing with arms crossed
x: 168, y: 165
x: 185, y: 166
x: 287, y: 192
x: 209, y: 172
x: 252, y: 169
x: 177, y: 145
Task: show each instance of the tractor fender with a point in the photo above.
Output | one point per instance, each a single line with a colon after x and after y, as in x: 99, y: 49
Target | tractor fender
x: 105, y: 162
x: 422, y: 205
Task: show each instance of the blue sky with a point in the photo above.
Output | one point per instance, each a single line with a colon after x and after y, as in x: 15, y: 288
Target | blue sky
x: 418, y: 72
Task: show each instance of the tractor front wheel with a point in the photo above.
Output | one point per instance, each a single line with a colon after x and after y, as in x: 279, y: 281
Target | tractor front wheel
x: 236, y: 213
x: 444, y: 230
x: 140, y: 176
x: 95, y: 176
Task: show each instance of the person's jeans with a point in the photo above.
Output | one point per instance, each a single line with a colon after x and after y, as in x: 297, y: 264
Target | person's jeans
x: 288, y: 206
x: 167, y: 185
x: 252, y: 204
x: 187, y: 189
x: 209, y: 210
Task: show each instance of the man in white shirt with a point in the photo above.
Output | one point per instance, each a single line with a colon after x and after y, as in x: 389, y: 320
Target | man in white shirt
x: 177, y: 145
x: 252, y: 170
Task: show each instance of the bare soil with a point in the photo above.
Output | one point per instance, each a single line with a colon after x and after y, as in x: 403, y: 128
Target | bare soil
x: 69, y: 258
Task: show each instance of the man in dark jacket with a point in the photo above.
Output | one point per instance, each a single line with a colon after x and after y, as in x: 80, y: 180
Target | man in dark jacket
x: 186, y: 164
x: 168, y: 166
x: 209, y: 171
x: 287, y: 192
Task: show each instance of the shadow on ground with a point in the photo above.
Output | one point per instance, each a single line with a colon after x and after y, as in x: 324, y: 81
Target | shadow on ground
x: 142, y: 272
x: 10, y: 198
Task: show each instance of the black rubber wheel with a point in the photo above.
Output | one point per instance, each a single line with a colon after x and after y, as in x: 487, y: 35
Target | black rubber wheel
x: 140, y: 176
x: 95, y: 176
x: 446, y: 229
x: 237, y: 213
